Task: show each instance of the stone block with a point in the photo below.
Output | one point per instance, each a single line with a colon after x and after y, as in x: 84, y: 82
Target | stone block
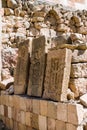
x: 23, y: 117
x: 29, y: 105
x: 43, y: 107
x: 11, y: 124
x: 79, y: 56
x: 57, y: 74
x: 62, y: 112
x: 10, y: 101
x: 36, y: 78
x: 79, y: 70
x: 15, y: 125
x: 36, y: 106
x: 78, y: 86
x: 22, y: 103
x: 9, y: 112
x: 16, y: 101
x: 51, y: 124
x: 28, y: 119
x: 7, y: 122
x: 42, y: 123
x: 75, y: 114
x: 60, y: 125
x: 22, y: 68
x: 34, y: 121
x: 83, y: 100
x: 73, y: 127
x: 2, y: 110
x: 52, y: 110
x: 21, y: 127
x: 16, y: 114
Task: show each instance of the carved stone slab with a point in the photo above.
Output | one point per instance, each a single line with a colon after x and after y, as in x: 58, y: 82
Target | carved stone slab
x: 37, y: 68
x: 57, y: 74
x: 22, y: 69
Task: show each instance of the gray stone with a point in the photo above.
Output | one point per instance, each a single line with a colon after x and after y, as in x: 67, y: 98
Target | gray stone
x: 21, y: 71
x: 36, y: 77
x: 57, y: 74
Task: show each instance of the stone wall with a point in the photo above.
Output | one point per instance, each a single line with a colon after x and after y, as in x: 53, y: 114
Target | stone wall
x: 26, y: 113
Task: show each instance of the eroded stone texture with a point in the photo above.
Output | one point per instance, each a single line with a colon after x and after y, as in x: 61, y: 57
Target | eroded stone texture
x: 57, y: 74
x: 78, y: 86
x: 79, y: 56
x: 37, y: 68
x: 79, y: 70
x: 21, y: 72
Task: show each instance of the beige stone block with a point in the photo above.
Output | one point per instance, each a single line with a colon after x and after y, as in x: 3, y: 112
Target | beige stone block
x: 78, y: 86
x: 16, y: 114
x: 10, y: 101
x: 36, y: 106
x: 22, y: 104
x: 2, y: 110
x: 57, y: 74
x: 83, y: 100
x: 22, y: 117
x: 43, y: 107
x: 21, y: 127
x: 51, y: 124
x: 5, y: 99
x: 11, y: 124
x: 29, y: 105
x: 60, y: 125
x: 28, y: 118
x: 75, y: 114
x: 79, y: 70
x: 9, y: 112
x: 52, y: 110
x: 7, y: 122
x: 42, y: 123
x: 62, y: 112
x: 37, y: 68
x: 22, y: 67
x: 35, y: 121
x: 73, y: 127
x: 15, y: 125
x: 79, y: 56
x: 16, y: 101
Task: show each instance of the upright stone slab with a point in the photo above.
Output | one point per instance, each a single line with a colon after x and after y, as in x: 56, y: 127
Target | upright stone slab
x: 36, y: 77
x: 21, y: 71
x: 57, y: 74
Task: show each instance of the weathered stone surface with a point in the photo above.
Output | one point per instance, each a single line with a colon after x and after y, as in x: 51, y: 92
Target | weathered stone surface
x: 21, y: 72
x: 83, y: 99
x: 12, y: 4
x: 79, y: 70
x: 79, y: 56
x: 60, y: 125
x: 5, y: 84
x: 42, y: 123
x: 78, y: 86
x: 36, y: 78
x: 75, y: 114
x: 57, y: 74
x: 51, y: 124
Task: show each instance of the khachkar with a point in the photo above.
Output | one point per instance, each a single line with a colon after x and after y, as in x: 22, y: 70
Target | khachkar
x: 0, y: 36
x: 22, y: 68
x: 37, y: 68
x: 57, y: 74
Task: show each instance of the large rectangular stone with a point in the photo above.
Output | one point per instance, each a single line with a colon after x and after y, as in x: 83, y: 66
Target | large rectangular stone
x: 42, y: 123
x: 21, y: 71
x: 60, y: 125
x: 57, y: 74
x: 43, y: 107
x: 37, y: 67
x: 73, y: 127
x: 51, y: 124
